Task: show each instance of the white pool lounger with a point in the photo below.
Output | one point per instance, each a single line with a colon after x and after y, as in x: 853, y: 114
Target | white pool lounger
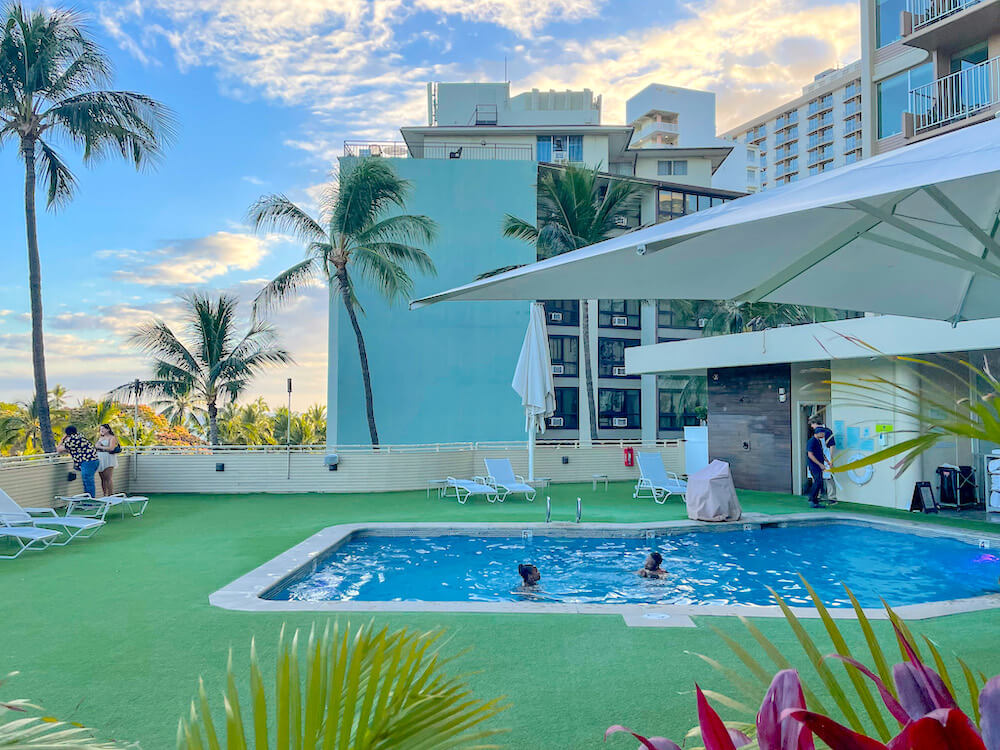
x: 465, y: 488
x: 26, y: 537
x: 500, y: 474
x: 15, y: 516
x: 655, y: 481
x: 83, y: 505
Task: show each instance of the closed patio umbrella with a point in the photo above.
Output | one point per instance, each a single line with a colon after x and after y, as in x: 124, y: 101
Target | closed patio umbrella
x: 533, y: 380
x: 910, y: 232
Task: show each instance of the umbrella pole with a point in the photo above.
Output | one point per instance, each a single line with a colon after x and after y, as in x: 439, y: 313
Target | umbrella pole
x: 531, y: 452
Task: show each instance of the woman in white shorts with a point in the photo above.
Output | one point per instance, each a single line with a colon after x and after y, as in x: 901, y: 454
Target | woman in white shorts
x: 107, y: 448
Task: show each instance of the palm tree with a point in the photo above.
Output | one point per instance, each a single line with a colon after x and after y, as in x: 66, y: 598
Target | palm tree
x: 181, y: 409
x: 246, y: 425
x: 354, y: 237
x: 50, y: 78
x: 57, y: 397
x: 576, y: 207
x: 20, y: 426
x: 730, y: 316
x: 213, y: 361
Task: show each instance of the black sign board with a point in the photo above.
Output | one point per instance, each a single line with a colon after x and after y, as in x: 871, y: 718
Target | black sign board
x: 923, y: 498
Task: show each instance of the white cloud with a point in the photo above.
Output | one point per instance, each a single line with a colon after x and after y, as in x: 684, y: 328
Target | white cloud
x: 191, y: 261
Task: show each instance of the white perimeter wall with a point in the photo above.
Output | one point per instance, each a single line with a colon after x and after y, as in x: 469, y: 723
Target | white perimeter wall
x: 35, y: 483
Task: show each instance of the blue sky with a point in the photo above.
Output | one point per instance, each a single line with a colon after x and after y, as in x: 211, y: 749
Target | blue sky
x: 266, y: 91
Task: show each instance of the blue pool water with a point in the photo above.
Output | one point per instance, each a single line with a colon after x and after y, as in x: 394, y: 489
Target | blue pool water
x: 732, y: 567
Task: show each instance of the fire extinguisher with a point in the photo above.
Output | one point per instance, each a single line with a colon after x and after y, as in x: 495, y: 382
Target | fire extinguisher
x: 630, y: 456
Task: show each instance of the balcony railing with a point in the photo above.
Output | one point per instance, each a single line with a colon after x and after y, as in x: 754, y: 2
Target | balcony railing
x: 474, y: 151
x: 656, y: 128
x: 926, y: 12
x: 955, y: 97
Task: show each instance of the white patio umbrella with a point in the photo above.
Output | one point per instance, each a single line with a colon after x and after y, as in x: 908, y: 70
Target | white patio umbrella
x: 910, y: 232
x: 533, y: 380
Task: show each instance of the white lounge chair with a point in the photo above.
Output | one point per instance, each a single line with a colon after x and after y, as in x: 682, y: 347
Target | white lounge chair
x: 26, y: 537
x: 465, y: 488
x: 500, y: 474
x: 87, y: 506
x: 655, y: 481
x: 13, y: 514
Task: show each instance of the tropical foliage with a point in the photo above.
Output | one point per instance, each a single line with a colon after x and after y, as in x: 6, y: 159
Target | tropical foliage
x: 212, y: 360
x: 355, y: 237
x: 729, y: 316
x: 51, y: 74
x: 22, y: 728
x: 923, y: 702
x: 939, y: 405
x: 576, y: 207
x: 357, y: 688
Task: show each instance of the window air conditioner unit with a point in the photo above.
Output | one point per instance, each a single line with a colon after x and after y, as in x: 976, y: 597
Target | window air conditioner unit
x: 559, y: 156
x: 618, y: 372
x: 555, y: 421
x: 619, y: 422
x: 621, y: 221
x: 555, y: 317
x: 557, y: 369
x: 702, y: 322
x: 619, y: 321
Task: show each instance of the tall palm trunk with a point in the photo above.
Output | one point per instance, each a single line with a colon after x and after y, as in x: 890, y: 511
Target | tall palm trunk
x: 345, y: 293
x: 35, y: 292
x: 588, y: 366
x: 213, y: 423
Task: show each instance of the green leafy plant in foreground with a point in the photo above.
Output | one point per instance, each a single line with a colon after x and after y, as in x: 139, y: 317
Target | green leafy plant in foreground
x: 21, y: 729
x: 854, y: 701
x: 358, y: 688
x: 939, y: 405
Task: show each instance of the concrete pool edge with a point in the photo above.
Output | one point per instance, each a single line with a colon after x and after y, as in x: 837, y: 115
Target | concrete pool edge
x: 246, y: 592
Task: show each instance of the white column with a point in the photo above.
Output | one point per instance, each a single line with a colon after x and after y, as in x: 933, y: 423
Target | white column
x: 905, y: 428
x: 584, y: 408
x: 332, y: 360
x: 650, y: 405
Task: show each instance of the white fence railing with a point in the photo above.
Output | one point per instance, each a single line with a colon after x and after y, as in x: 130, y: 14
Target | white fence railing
x: 925, y: 12
x: 955, y: 97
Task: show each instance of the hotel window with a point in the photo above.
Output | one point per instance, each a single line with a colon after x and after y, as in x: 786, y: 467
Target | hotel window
x: 751, y: 177
x: 611, y: 357
x: 887, y: 13
x: 676, y: 314
x: 892, y: 97
x: 618, y: 408
x: 567, y: 412
x: 564, y: 351
x: 558, y: 147
x: 669, y: 415
x: 751, y: 154
x: 674, y: 203
x: 666, y: 168
x: 619, y: 313
x: 562, y: 312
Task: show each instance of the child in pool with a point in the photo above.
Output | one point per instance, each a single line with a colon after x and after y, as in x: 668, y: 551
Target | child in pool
x: 529, y: 577
x: 652, y: 567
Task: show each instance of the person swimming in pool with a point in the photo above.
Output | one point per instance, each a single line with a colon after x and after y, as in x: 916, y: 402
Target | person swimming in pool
x: 652, y: 567
x: 529, y: 577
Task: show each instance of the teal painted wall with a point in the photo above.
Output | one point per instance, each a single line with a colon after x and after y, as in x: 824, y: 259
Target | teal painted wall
x: 442, y: 373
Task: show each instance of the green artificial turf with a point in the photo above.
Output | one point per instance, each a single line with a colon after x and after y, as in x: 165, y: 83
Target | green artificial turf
x: 113, y: 632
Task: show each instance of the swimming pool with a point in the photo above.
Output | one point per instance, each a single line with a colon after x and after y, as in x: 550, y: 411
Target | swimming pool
x: 728, y: 567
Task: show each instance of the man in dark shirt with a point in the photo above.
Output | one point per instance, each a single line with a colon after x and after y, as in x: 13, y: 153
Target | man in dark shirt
x: 825, y: 434
x: 84, y: 457
x: 816, y: 462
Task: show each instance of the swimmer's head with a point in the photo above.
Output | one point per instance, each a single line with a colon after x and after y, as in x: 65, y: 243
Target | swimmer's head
x: 653, y: 560
x: 529, y: 574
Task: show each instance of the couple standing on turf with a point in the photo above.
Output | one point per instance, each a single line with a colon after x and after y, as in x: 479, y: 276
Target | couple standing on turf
x: 819, y: 455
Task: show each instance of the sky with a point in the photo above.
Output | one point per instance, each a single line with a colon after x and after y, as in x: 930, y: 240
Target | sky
x: 265, y: 93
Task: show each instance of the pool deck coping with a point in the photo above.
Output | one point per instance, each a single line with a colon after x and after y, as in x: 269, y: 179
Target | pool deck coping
x: 246, y: 592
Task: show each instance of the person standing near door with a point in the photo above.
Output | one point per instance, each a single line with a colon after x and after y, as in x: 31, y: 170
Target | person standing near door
x: 816, y: 461
x: 825, y: 434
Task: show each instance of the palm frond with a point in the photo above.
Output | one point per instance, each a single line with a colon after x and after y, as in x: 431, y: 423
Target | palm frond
x: 365, y: 190
x: 383, y: 274
x: 278, y: 213
x: 284, y: 285
x: 60, y: 179
x: 404, y: 229
x: 157, y: 337
x: 134, y: 126
x: 519, y: 229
